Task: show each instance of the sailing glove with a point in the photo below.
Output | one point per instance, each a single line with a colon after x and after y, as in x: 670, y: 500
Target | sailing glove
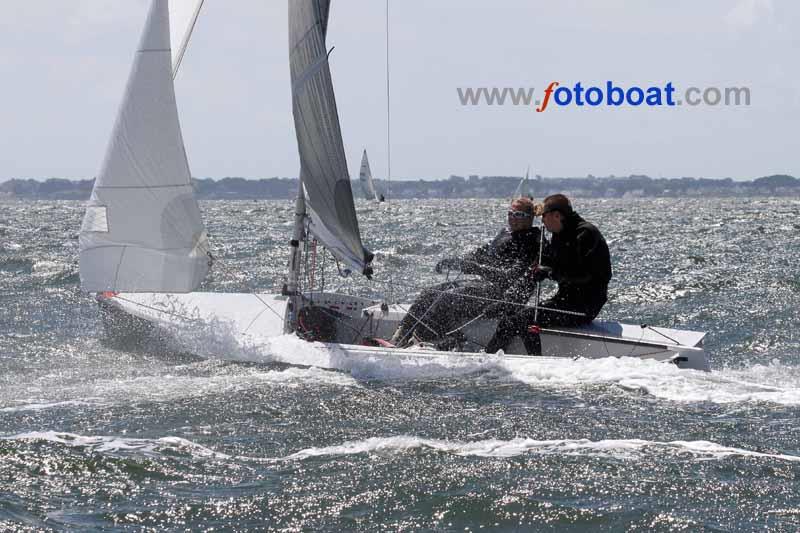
x: 541, y: 273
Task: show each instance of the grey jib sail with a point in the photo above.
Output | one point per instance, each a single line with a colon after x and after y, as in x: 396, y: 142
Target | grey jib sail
x: 323, y: 167
x: 142, y: 230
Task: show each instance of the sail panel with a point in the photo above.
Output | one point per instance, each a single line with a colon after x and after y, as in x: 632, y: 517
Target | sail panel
x: 323, y: 166
x: 142, y: 231
x: 182, y: 17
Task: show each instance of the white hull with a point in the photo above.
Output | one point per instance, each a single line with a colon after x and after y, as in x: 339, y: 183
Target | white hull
x: 253, y: 320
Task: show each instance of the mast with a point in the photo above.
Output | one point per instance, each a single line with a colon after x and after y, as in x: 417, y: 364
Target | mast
x: 323, y: 165
x: 388, y: 106
x: 292, y: 287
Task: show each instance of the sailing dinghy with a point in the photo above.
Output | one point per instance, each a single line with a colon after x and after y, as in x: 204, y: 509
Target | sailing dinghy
x: 365, y: 179
x: 144, y: 249
x: 523, y: 189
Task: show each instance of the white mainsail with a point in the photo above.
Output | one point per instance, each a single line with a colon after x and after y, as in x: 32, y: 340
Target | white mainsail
x: 182, y: 17
x: 523, y: 189
x: 365, y: 178
x: 323, y: 166
x: 142, y: 231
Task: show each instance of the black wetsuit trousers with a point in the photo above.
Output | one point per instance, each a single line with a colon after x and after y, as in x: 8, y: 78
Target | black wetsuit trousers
x: 445, y: 307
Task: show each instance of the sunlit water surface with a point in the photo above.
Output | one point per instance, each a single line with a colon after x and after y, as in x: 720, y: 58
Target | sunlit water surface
x: 98, y: 438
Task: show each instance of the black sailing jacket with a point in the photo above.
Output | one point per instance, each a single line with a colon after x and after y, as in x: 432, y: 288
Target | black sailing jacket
x: 581, y: 264
x: 505, y: 260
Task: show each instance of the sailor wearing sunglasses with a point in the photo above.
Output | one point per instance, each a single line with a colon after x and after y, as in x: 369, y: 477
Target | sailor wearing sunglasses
x: 497, y: 265
x: 578, y: 260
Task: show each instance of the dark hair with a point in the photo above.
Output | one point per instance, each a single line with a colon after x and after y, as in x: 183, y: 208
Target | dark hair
x: 557, y: 202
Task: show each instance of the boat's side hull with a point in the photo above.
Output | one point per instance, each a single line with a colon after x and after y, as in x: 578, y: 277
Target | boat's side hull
x: 251, y: 318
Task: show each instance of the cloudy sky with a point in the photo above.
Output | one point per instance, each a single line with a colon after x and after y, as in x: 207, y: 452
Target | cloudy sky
x: 63, y: 66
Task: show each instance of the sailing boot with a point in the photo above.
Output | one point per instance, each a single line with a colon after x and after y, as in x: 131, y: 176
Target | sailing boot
x: 533, y: 340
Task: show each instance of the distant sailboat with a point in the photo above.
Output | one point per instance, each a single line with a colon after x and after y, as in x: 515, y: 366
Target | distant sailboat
x: 523, y: 189
x: 144, y: 249
x: 365, y: 178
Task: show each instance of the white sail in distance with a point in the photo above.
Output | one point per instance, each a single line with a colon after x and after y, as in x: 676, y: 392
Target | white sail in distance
x: 323, y: 165
x: 365, y: 179
x: 142, y: 230
x: 182, y: 18
x: 523, y: 189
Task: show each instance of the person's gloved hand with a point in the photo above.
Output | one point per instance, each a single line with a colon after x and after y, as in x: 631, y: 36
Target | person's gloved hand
x: 449, y: 263
x: 496, y: 310
x: 541, y: 272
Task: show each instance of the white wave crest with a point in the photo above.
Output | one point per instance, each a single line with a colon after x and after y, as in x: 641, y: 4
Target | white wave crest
x: 112, y: 445
x: 629, y: 449
x: 41, y: 406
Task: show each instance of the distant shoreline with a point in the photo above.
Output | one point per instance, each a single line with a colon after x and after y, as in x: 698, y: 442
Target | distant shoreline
x: 634, y: 186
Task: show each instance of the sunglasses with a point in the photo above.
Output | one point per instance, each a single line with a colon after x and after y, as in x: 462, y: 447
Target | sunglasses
x: 518, y: 214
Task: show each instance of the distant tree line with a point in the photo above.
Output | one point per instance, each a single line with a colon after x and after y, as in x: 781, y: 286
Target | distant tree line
x: 453, y: 187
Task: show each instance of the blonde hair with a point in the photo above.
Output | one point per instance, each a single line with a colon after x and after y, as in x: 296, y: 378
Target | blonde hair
x: 528, y: 205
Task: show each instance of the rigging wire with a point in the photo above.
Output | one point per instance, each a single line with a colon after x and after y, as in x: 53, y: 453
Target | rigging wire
x: 485, y: 299
x: 539, y: 283
x: 389, y: 148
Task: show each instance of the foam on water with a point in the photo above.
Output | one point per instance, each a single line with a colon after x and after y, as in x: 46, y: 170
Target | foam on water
x: 621, y: 449
x: 628, y: 449
x: 775, y: 383
x: 115, y: 445
x: 168, y: 384
x: 48, y: 405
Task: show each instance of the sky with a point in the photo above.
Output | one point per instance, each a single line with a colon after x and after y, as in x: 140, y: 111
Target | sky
x: 64, y: 64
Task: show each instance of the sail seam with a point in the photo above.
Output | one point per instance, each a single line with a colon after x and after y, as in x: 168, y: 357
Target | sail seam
x: 310, y: 72
x: 142, y: 186
x: 119, y: 265
x: 136, y: 247
x: 143, y: 50
x: 304, y: 37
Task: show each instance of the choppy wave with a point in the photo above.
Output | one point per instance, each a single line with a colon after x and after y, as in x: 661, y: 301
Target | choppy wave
x: 16, y: 264
x: 774, y: 383
x: 629, y: 449
x: 47, y: 405
x: 177, y: 384
x: 121, y: 445
x: 621, y: 449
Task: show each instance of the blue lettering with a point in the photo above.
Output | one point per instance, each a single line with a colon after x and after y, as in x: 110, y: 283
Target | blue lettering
x: 597, y: 98
x: 614, y: 95
x: 639, y: 96
x: 562, y: 91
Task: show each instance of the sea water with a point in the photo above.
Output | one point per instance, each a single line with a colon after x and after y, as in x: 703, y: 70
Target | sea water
x: 211, y: 436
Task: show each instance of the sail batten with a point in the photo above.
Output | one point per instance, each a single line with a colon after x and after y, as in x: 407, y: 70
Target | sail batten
x: 323, y: 165
x: 142, y: 230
